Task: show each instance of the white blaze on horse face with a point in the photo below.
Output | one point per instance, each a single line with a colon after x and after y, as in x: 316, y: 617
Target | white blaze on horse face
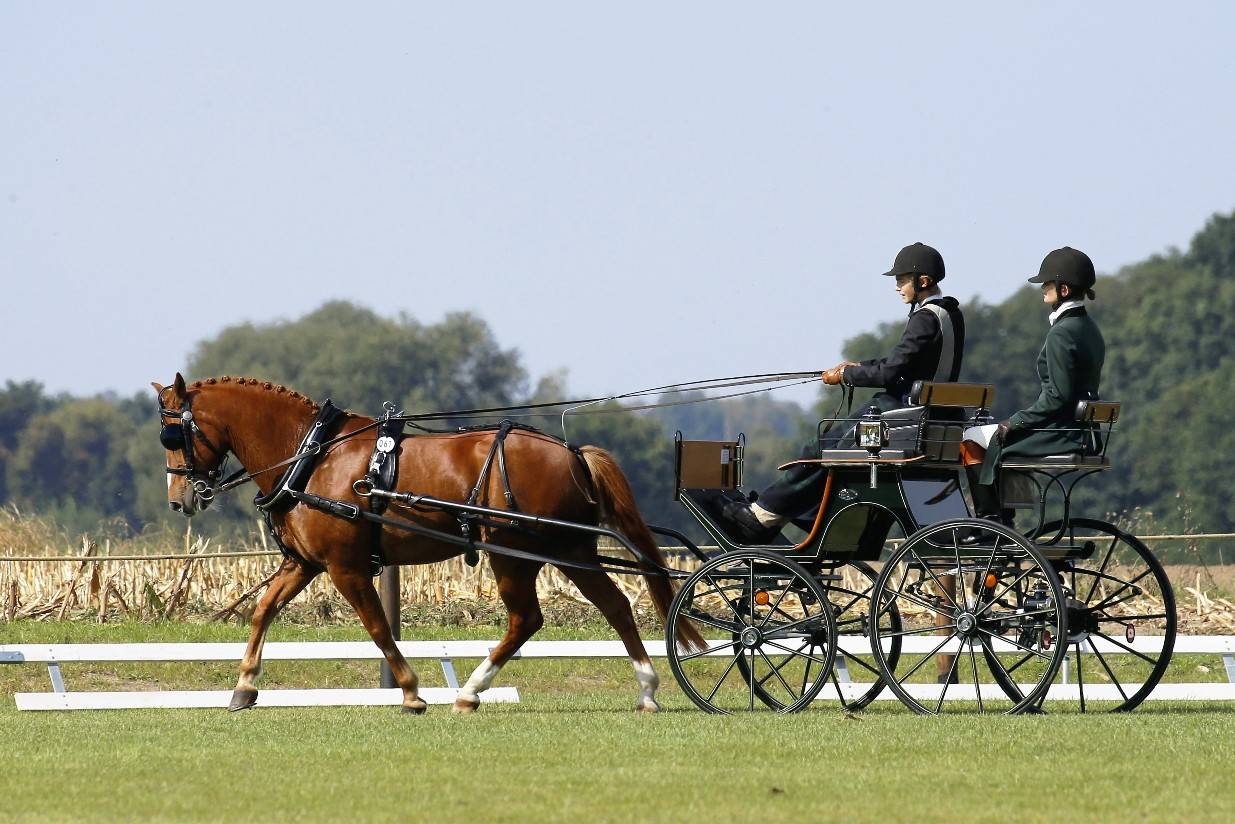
x: 648, y: 683
x: 479, y: 681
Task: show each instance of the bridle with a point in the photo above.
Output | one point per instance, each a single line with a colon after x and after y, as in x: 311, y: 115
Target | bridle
x: 177, y: 432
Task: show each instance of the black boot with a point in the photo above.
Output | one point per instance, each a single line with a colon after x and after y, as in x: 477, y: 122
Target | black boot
x: 744, y: 526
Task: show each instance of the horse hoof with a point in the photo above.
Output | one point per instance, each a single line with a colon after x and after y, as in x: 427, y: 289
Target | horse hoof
x: 417, y: 707
x: 242, y: 699
x: 464, y: 706
x: 647, y: 707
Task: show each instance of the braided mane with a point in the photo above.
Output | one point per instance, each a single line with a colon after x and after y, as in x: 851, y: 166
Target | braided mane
x: 269, y: 386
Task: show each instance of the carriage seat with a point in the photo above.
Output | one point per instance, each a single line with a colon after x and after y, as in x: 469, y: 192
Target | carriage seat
x: 934, y: 422
x: 1101, y: 417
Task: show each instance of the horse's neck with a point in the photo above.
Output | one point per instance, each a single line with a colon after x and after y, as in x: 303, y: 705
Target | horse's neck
x: 265, y: 428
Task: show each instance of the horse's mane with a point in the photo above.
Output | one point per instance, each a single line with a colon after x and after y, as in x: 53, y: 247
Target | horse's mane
x: 269, y: 386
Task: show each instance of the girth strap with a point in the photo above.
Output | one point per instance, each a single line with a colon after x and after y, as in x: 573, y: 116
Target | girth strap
x: 498, y: 448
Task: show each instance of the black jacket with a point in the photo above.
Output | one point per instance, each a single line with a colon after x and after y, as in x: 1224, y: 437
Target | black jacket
x: 916, y: 357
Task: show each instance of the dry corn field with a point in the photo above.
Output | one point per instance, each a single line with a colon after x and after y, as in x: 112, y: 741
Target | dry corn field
x: 85, y: 585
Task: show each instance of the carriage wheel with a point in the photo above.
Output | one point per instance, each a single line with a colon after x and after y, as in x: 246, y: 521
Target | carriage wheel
x: 771, y: 634
x: 1004, y: 605
x: 850, y: 598
x: 1121, y: 616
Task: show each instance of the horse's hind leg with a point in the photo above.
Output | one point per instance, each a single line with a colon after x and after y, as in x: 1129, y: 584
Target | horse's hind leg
x: 359, y: 591
x: 288, y: 581
x: 516, y: 584
x: 599, y: 588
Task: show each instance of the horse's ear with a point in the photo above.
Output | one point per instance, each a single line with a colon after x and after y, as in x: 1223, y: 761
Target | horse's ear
x: 180, y: 387
x: 158, y: 387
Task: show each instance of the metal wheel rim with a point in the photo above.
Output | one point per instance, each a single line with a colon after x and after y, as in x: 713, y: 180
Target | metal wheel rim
x: 1085, y: 588
x: 780, y: 632
x: 986, y: 612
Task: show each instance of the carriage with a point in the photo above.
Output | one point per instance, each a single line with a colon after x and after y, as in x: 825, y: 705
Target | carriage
x: 893, y: 580
x: 890, y: 572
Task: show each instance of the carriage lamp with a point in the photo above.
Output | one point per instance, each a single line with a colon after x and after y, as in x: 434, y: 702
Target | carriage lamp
x: 761, y: 597
x: 872, y: 436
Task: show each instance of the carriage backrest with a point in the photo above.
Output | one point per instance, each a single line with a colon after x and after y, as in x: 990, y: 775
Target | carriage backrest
x: 936, y: 421
x: 1097, y: 412
x: 952, y: 395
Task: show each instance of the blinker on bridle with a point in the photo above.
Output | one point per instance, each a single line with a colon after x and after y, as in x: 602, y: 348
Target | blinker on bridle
x: 176, y: 434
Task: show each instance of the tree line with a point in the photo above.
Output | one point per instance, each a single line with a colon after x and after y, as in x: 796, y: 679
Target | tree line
x: 1169, y: 323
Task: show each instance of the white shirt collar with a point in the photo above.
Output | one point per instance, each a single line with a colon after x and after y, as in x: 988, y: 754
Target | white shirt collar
x: 1064, y: 307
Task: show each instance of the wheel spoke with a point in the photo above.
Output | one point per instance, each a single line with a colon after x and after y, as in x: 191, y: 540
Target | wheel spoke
x: 925, y: 658
x: 1110, y: 598
x: 702, y: 652
x: 779, y: 677
x: 717, y: 589
x: 1153, y: 662
x: 1109, y: 673
x: 703, y: 618
x: 1102, y: 569
x: 947, y: 683
x: 977, y: 687
x: 999, y: 616
x: 916, y: 631
x: 724, y: 675
x: 856, y: 660
x: 1007, y: 684
x: 772, y: 611
x: 1080, y: 677
x: 913, y: 599
x: 1007, y: 588
x: 934, y: 578
x: 780, y: 630
x: 1017, y: 665
x: 1123, y: 619
x: 818, y: 661
x: 1016, y: 644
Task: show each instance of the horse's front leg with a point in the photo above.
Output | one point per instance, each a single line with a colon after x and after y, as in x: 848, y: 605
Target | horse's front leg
x: 357, y: 587
x: 288, y: 582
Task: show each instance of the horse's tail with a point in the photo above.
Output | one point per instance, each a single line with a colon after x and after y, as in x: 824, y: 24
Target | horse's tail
x: 618, y: 509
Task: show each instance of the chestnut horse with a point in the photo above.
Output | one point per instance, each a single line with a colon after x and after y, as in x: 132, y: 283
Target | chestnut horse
x: 263, y: 423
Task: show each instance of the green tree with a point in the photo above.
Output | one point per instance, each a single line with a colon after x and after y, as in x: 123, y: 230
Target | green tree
x: 360, y: 359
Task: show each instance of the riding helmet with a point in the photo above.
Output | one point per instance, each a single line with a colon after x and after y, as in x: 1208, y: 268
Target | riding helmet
x: 1067, y: 265
x: 918, y: 259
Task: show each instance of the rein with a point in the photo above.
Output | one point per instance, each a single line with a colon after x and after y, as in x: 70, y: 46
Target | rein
x: 180, y: 434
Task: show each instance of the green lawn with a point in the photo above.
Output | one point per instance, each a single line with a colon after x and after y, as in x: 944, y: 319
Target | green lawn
x: 573, y: 750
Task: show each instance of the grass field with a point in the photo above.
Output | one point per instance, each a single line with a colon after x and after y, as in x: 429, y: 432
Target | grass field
x: 573, y: 750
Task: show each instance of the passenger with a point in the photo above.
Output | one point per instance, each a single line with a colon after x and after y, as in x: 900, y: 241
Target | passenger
x: 1069, y: 366
x: 930, y: 349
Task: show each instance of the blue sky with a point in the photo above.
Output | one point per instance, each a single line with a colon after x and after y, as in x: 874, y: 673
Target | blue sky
x: 637, y: 193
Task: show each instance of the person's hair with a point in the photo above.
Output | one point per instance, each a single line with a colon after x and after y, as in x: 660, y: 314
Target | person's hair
x: 1075, y: 292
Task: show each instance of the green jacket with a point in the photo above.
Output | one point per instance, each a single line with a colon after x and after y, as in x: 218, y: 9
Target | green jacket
x: 1070, y: 367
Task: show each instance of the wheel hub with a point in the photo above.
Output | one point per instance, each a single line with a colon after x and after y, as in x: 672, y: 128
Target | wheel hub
x: 966, y: 623
x: 751, y: 637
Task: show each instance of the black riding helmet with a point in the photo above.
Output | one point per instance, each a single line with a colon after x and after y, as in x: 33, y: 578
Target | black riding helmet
x: 918, y: 259
x: 1067, y: 265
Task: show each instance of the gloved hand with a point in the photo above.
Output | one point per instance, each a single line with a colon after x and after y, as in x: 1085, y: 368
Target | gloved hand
x: 1002, y: 432
x: 834, y: 375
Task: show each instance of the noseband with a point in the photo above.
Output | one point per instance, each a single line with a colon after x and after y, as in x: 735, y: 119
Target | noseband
x: 176, y: 434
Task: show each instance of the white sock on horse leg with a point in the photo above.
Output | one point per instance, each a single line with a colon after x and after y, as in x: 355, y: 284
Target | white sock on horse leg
x: 767, y: 518
x: 648, y: 682
x: 479, y: 680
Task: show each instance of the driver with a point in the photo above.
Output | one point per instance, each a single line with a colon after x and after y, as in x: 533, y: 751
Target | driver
x: 930, y: 349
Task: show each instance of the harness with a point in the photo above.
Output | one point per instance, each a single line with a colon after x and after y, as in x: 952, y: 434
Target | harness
x: 176, y: 432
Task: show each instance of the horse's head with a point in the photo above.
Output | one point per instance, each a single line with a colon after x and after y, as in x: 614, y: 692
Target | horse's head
x: 196, y: 447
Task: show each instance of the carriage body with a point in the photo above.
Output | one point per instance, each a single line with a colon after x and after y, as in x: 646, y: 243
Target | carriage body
x: 898, y: 508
